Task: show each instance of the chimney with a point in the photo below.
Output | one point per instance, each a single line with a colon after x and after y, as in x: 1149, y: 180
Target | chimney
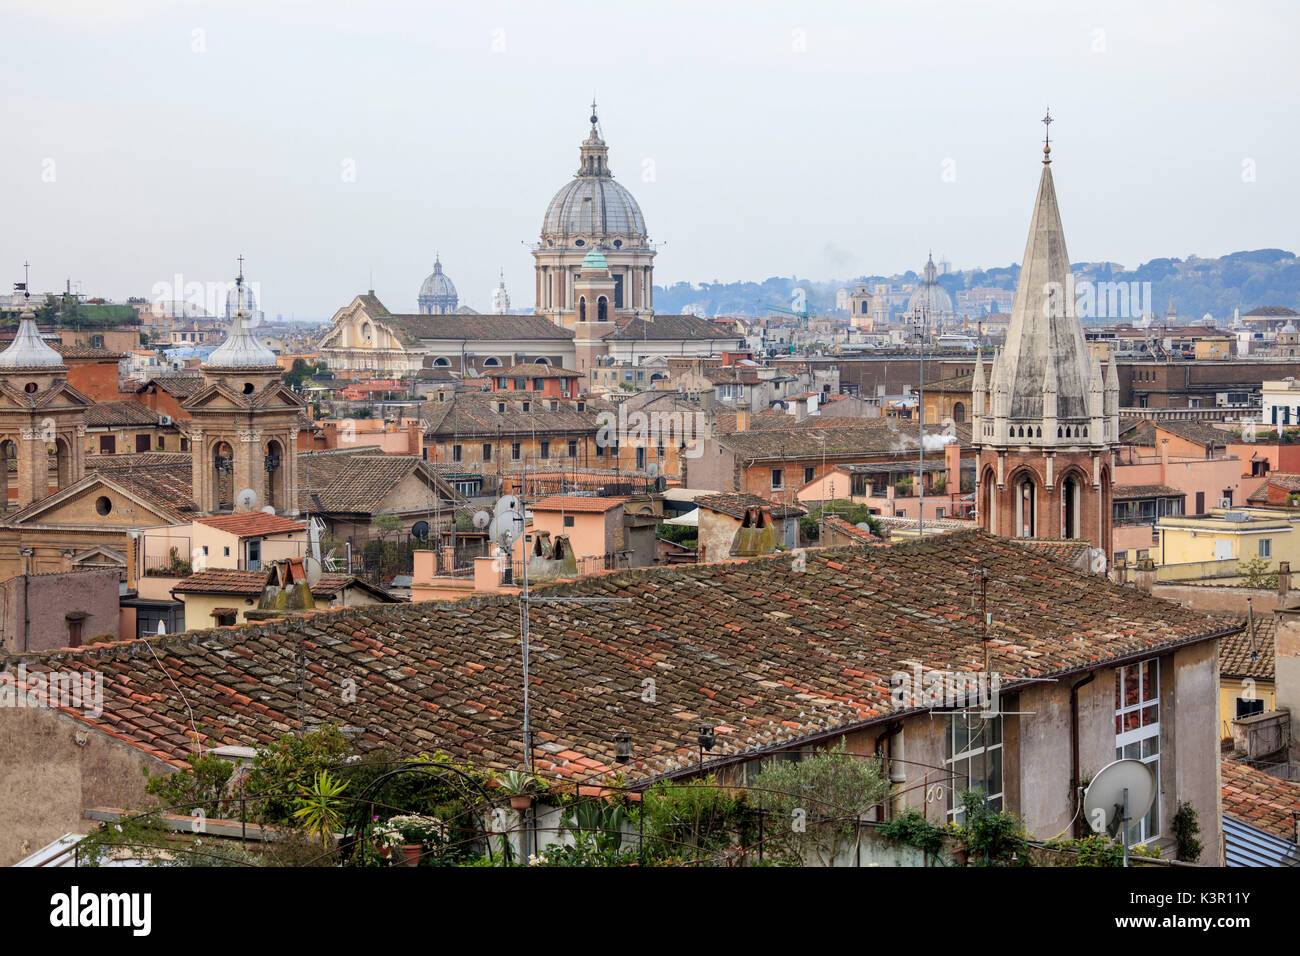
x: 1145, y: 578
x: 952, y: 461
x: 742, y: 419
x: 132, y: 543
x: 1119, y: 572
x: 1283, y: 580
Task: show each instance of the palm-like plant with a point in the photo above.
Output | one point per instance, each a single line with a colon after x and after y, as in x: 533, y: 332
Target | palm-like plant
x: 319, y: 808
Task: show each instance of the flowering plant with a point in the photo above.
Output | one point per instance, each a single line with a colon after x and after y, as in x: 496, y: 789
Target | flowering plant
x: 409, y: 829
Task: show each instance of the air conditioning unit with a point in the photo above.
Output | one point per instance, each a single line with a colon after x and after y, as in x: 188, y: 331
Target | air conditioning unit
x: 1225, y: 502
x: 164, y: 419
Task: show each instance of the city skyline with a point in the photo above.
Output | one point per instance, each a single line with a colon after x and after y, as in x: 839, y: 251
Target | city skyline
x: 329, y: 148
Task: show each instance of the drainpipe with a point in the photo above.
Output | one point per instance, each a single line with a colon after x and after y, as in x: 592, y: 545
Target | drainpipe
x: 1074, y: 745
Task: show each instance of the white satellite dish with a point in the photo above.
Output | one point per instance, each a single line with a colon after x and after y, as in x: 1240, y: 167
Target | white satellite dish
x: 481, y: 520
x: 506, y: 529
x: 313, y: 570
x: 246, y: 499
x: 652, y: 469
x: 268, y: 509
x: 1121, y: 793
x: 1097, y: 560
x: 509, y: 503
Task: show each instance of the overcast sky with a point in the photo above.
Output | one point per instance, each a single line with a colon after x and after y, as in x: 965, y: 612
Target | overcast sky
x: 329, y: 141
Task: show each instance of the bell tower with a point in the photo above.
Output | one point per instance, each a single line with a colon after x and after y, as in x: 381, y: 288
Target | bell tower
x: 1046, y: 420
x: 244, y: 428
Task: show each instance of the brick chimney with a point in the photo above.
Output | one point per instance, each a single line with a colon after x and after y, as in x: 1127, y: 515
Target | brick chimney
x: 742, y: 419
x: 1283, y: 580
x: 952, y: 461
x: 1119, y: 572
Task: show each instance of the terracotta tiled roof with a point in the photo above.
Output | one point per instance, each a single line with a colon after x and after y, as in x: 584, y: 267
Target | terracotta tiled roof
x: 1073, y: 553
x: 766, y: 654
x: 533, y: 370
x: 178, y: 386
x: 165, y: 479
x: 1201, y: 433
x: 838, y: 524
x: 252, y: 524
x: 85, y: 352
x: 110, y: 414
x: 252, y: 583
x: 876, y: 436
x: 475, y: 416
x: 1250, y: 653
x: 1260, y: 799
x: 575, y: 504
x: 1130, y: 492
x: 736, y: 505
x: 357, y: 482
x: 675, y: 327
x: 414, y: 328
x: 1283, y: 481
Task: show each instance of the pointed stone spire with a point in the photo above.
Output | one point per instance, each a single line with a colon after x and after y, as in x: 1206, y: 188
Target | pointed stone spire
x: 1049, y: 403
x: 979, y: 394
x: 1045, y: 326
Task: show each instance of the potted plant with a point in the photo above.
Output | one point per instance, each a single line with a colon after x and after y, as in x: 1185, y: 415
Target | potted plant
x: 519, y: 787
x: 413, y: 833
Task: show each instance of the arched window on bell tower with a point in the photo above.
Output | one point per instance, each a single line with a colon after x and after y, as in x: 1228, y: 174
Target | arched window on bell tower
x: 1026, y: 504
x: 582, y: 309
x: 1071, y: 495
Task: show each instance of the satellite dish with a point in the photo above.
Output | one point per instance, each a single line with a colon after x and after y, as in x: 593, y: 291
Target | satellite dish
x: 246, y: 499
x: 312, y: 568
x: 420, y: 530
x: 506, y: 529
x: 509, y: 503
x: 1120, y: 794
x: 652, y: 469
x: 481, y: 520
x: 1097, y: 560
x: 268, y: 509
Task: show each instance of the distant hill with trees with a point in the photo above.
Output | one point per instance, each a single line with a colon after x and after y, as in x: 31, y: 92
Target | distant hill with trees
x: 1241, y: 280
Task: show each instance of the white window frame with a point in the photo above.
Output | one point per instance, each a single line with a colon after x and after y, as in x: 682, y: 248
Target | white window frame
x: 1147, y: 730
x: 977, y: 749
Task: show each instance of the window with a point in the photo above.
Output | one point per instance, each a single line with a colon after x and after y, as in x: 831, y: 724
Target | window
x: 546, y: 449
x: 776, y: 479
x: 555, y: 406
x: 514, y: 451
x: 573, y: 448
x: 974, y: 760
x: 568, y: 521
x: 76, y: 623
x: 527, y: 405
x: 1137, y: 732
x: 487, y: 452
x: 1249, y: 707
x: 107, y: 445
x: 225, y: 551
x: 501, y: 406
x: 538, y: 384
x: 1266, y: 547
x: 455, y: 453
x: 808, y: 473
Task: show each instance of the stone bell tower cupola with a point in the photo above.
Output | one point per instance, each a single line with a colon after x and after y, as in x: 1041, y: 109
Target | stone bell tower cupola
x: 1046, y: 419
x: 42, y: 419
x: 244, y: 428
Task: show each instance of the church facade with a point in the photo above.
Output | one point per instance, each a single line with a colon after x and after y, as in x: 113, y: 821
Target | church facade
x: 1046, y: 418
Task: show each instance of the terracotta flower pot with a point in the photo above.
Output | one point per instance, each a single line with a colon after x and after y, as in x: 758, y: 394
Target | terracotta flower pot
x: 521, y: 802
x: 413, y: 852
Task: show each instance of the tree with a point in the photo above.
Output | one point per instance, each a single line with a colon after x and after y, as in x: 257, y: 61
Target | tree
x: 1255, y: 574
x: 814, y: 805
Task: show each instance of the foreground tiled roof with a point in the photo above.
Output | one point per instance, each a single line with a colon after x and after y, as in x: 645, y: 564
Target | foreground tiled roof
x: 1250, y: 653
x: 1260, y: 799
x: 736, y: 504
x: 764, y: 653
x: 1283, y: 481
x: 251, y: 524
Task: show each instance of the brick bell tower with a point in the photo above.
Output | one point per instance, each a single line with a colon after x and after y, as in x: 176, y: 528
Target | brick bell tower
x: 1046, y: 421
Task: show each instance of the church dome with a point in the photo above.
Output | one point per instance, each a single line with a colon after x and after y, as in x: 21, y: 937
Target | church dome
x: 437, y: 292
x: 241, y: 349
x: 593, y: 204
x: 594, y: 260
x: 930, y: 297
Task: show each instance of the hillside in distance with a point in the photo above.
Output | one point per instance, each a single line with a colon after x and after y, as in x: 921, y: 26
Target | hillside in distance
x: 1241, y: 280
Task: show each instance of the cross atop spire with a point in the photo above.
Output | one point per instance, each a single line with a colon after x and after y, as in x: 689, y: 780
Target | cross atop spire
x: 241, y: 268
x: 593, y: 111
x: 1047, y: 122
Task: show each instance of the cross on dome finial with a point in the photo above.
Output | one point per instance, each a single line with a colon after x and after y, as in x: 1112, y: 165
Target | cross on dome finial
x: 593, y: 111
x: 1047, y: 122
